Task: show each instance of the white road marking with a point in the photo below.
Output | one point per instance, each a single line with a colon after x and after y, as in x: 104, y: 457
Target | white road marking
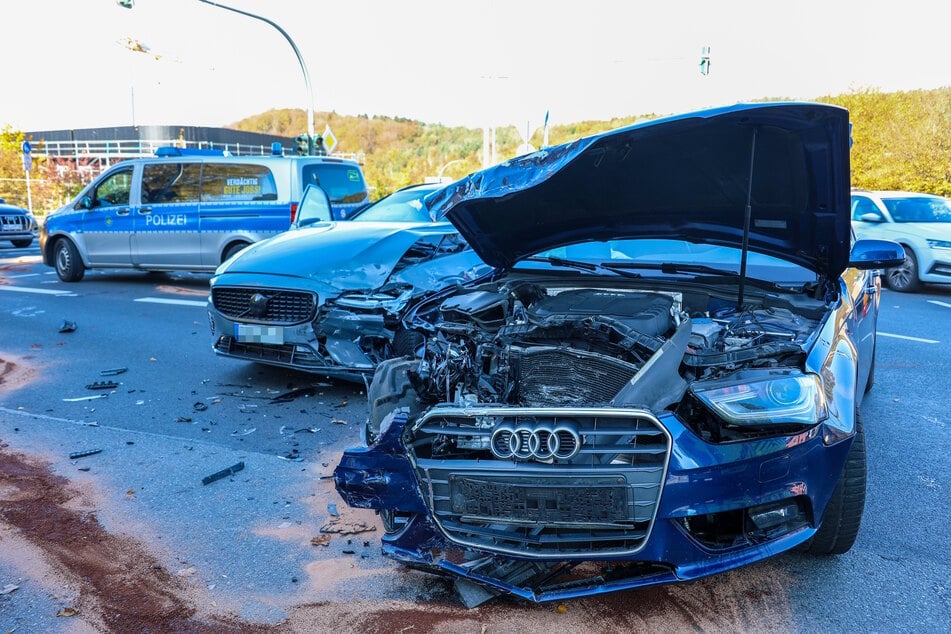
x: 40, y: 291
x: 24, y: 275
x: 937, y: 303
x: 176, y: 302
x: 906, y: 338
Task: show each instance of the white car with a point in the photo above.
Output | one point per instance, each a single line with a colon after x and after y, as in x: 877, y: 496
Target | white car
x: 921, y: 223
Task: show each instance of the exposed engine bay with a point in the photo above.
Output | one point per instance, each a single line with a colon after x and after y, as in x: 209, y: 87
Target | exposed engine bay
x: 534, y: 345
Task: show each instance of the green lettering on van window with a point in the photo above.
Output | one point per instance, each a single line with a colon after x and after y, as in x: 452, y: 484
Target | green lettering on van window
x: 235, y: 182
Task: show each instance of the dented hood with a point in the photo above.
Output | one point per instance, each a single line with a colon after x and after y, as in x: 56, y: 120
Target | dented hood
x: 686, y: 178
x: 349, y: 256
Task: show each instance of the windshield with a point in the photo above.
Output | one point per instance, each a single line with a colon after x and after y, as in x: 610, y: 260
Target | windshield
x: 919, y: 209
x: 405, y: 205
x: 631, y: 254
x: 343, y: 183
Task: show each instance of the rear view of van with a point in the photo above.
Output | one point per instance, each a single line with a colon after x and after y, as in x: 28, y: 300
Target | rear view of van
x: 188, y: 212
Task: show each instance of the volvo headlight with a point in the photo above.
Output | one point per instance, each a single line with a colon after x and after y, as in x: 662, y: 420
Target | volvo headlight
x: 392, y: 300
x: 784, y: 399
x: 939, y: 244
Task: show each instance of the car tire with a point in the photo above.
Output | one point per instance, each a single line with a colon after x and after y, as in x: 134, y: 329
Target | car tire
x: 407, y: 342
x: 843, y: 515
x: 904, y: 278
x: 22, y: 244
x: 69, y: 266
x: 232, y: 249
x: 391, y: 389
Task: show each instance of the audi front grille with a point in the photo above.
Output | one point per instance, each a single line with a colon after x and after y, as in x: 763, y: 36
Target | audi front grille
x: 542, y: 482
x: 283, y: 307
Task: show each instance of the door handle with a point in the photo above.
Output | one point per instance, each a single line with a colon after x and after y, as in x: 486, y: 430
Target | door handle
x: 122, y: 212
x: 145, y: 210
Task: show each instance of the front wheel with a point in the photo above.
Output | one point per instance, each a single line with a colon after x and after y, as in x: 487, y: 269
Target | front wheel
x: 843, y: 516
x: 22, y: 244
x: 232, y: 249
x: 904, y: 277
x: 69, y: 266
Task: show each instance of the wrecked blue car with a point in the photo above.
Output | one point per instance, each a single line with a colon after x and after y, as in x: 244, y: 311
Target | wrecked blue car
x: 325, y: 297
x: 660, y: 380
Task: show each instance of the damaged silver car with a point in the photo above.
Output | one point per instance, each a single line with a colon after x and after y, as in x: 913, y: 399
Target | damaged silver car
x: 325, y: 297
x: 660, y: 380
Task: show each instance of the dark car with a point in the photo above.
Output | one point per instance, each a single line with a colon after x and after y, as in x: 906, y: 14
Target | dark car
x: 16, y: 225
x: 325, y: 297
x: 660, y: 380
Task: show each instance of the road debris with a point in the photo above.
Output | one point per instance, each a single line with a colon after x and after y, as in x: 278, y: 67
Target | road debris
x: 67, y: 611
x: 102, y: 385
x: 339, y: 526
x: 287, y: 397
x: 85, y: 398
x: 10, y: 587
x: 224, y: 473
x: 245, y: 432
x: 332, y: 509
x: 338, y: 421
x: 321, y: 540
x: 67, y: 326
x: 113, y: 371
x: 83, y: 454
x: 183, y: 419
x: 199, y: 406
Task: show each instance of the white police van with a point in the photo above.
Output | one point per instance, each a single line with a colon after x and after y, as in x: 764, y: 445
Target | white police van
x: 188, y: 210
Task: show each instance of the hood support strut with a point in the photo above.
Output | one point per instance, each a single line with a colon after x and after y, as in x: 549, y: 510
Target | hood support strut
x: 748, y: 212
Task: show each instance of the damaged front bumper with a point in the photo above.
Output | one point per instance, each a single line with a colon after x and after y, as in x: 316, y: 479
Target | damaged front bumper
x: 330, y: 340
x: 531, y: 530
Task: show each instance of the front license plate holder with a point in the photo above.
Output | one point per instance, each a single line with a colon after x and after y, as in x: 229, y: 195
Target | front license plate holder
x: 253, y: 333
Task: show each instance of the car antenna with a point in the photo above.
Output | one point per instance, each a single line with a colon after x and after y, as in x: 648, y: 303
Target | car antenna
x: 748, y: 212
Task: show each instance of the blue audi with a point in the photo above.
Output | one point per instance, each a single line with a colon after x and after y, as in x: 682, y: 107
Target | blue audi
x: 661, y: 378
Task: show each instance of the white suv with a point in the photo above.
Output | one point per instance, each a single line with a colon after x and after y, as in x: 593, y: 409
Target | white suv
x: 920, y: 222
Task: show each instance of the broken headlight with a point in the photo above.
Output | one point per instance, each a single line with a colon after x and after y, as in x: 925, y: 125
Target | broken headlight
x: 780, y: 399
x: 391, y: 301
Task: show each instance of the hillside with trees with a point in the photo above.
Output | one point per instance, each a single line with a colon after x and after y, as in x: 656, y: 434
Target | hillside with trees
x: 902, y: 140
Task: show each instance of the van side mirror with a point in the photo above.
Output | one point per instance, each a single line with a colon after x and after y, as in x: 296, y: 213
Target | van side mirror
x: 314, y: 207
x: 85, y: 203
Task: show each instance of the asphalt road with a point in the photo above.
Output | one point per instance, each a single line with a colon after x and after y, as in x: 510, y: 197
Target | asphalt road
x: 241, y: 546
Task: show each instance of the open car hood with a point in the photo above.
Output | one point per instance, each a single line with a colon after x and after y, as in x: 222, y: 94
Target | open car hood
x: 685, y: 177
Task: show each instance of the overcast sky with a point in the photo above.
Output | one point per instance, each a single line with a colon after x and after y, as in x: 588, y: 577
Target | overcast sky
x: 67, y: 63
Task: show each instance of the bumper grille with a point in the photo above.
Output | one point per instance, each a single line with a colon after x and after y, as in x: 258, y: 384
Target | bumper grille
x: 601, y: 502
x: 592, y: 378
x: 285, y: 354
x: 15, y: 223
x: 281, y: 308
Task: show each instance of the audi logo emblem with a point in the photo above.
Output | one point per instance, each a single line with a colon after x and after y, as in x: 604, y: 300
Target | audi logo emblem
x: 538, y: 442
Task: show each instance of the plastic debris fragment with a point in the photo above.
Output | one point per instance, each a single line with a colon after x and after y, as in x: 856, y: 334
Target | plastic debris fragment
x: 83, y: 454
x: 224, y: 473
x: 67, y: 326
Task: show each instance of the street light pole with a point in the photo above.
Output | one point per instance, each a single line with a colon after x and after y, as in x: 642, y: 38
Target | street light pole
x: 300, y: 60
x: 443, y: 168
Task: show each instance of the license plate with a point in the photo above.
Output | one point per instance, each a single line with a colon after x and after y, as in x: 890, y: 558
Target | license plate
x: 248, y: 333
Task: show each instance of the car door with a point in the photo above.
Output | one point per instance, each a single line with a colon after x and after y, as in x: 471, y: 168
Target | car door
x: 166, y: 218
x: 107, y: 220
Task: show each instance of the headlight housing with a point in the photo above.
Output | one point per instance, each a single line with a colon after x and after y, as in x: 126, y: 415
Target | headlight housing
x: 754, y: 404
x: 939, y: 244
x: 784, y: 399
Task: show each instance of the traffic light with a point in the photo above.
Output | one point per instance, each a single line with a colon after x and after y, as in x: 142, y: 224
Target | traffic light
x: 319, y: 148
x: 302, y: 142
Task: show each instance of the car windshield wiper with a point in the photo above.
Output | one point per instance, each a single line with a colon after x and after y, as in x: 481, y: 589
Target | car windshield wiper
x: 584, y: 266
x: 672, y: 268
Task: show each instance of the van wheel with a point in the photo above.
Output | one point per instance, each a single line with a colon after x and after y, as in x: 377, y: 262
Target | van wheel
x: 843, y: 514
x: 232, y: 249
x: 69, y: 266
x: 22, y: 244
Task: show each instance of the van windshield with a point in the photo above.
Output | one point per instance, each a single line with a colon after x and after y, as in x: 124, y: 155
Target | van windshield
x: 343, y: 183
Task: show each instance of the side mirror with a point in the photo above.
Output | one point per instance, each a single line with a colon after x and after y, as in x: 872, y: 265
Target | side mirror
x: 871, y: 217
x: 85, y: 203
x: 314, y: 207
x: 876, y: 254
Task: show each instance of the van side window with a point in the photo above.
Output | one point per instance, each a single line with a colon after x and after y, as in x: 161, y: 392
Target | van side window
x: 231, y: 182
x: 343, y: 183
x: 171, y: 183
x: 114, y: 190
